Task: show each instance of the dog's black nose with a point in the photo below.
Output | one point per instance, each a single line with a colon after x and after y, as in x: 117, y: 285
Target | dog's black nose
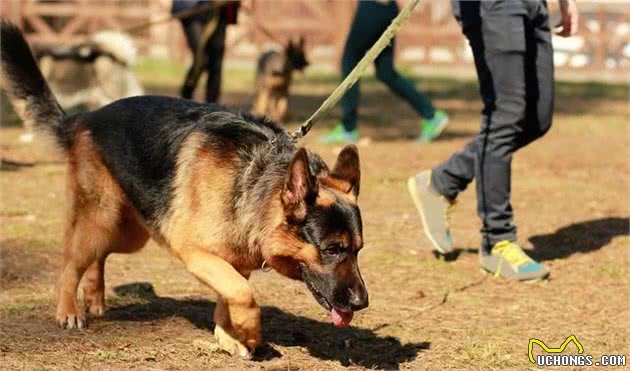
x: 358, y: 299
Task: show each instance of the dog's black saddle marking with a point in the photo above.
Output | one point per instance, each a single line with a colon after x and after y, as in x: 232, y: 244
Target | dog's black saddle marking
x: 140, y: 137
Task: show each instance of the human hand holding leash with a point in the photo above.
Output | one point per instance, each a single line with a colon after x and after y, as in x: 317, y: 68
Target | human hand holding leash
x: 569, y: 22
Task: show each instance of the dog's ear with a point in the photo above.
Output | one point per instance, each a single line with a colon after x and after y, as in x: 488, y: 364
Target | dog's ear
x: 300, y: 187
x: 347, y: 170
x: 301, y: 42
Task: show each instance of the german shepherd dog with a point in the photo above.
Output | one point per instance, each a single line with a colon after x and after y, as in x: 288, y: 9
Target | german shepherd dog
x: 273, y: 79
x: 224, y: 192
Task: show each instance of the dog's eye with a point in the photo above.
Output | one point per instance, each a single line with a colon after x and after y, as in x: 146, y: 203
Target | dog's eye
x: 333, y: 250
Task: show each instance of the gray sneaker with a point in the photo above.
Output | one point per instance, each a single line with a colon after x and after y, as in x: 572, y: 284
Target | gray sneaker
x: 508, y: 260
x: 434, y: 210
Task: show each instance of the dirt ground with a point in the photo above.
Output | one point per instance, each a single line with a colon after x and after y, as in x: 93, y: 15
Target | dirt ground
x: 571, y: 199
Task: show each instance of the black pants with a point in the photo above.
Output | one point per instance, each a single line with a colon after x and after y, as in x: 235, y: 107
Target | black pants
x: 213, y: 61
x: 511, y: 44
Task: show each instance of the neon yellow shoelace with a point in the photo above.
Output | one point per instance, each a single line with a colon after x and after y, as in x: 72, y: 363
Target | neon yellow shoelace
x: 511, y: 252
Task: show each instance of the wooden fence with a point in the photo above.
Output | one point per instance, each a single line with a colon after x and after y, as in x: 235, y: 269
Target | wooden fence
x: 430, y: 37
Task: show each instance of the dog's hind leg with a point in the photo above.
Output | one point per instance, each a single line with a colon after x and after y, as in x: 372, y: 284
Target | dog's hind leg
x: 92, y: 226
x: 131, y: 237
x: 84, y: 243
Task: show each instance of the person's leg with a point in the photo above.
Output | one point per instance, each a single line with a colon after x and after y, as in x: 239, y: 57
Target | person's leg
x: 498, y: 44
x: 192, y: 31
x: 508, y: 45
x: 453, y: 176
x: 504, y: 54
x: 364, y: 30
x: 215, y: 50
x: 434, y: 191
x: 518, y: 54
x: 498, y: 41
x: 350, y: 101
x: 540, y: 80
x: 402, y: 87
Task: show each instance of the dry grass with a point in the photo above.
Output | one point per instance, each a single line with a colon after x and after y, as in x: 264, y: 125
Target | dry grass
x: 572, y: 205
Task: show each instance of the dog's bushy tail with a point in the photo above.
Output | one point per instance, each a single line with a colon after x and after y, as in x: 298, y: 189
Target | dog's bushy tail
x: 32, y: 99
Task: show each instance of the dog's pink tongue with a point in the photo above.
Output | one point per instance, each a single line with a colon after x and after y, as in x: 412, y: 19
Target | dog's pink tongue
x: 340, y: 318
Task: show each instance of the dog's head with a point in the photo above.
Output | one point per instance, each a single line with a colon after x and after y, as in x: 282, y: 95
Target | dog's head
x: 296, y: 54
x: 322, y: 231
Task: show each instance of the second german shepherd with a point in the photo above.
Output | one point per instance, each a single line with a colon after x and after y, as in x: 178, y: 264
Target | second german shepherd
x: 224, y: 192
x: 273, y: 79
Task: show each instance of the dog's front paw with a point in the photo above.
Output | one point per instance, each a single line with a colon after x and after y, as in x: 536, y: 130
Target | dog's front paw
x: 246, y: 322
x: 230, y: 344
x: 70, y: 318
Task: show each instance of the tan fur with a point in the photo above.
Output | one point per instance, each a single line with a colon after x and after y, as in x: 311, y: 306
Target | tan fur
x: 340, y: 188
x: 325, y: 198
x: 272, y: 97
x: 99, y: 222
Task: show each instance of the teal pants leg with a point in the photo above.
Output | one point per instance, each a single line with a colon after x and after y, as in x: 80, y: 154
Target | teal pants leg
x: 350, y: 100
x: 401, y: 86
x: 370, y: 21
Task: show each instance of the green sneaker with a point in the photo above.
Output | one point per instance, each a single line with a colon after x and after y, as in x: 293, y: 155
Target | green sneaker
x: 508, y: 260
x: 432, y: 128
x: 435, y: 211
x: 340, y: 135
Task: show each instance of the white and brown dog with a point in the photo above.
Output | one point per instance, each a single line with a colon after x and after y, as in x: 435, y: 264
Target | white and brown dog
x: 90, y: 74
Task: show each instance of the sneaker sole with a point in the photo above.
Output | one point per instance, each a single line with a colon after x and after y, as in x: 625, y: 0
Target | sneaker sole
x: 413, y: 190
x: 528, y: 281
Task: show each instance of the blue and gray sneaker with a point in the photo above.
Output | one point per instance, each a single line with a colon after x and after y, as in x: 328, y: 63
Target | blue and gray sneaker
x: 508, y: 260
x: 340, y: 135
x: 432, y: 128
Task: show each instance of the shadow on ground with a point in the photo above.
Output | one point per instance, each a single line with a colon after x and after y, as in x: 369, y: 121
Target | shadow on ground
x: 351, y: 346
x: 10, y: 165
x: 454, y: 255
x: 582, y: 237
